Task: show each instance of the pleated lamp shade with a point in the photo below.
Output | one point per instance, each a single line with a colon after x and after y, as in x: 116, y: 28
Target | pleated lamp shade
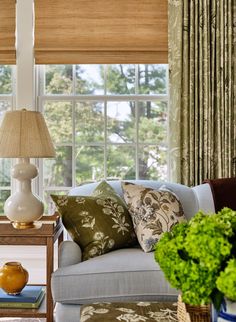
x: 24, y: 134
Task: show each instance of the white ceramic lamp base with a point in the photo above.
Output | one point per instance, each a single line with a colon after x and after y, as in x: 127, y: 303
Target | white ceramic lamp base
x: 24, y: 208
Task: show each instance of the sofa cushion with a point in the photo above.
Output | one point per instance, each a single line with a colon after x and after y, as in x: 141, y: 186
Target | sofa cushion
x: 121, y: 275
x: 153, y: 212
x: 98, y: 223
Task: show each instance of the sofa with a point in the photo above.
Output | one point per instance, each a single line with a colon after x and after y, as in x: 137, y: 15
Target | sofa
x: 123, y: 275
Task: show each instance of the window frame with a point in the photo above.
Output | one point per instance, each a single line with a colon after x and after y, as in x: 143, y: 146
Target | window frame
x: 105, y: 98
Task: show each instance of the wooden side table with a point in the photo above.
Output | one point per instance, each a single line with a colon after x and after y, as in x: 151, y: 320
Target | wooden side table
x: 50, y: 231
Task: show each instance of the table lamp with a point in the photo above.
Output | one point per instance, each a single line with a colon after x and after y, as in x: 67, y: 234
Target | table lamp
x: 24, y: 135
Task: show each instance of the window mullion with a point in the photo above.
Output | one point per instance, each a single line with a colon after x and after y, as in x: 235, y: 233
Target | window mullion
x: 74, y: 79
x: 168, y: 124
x: 136, y: 125
x: 40, y: 163
x: 74, y: 83
x: 41, y: 86
x: 73, y: 146
x: 110, y: 97
x: 105, y: 123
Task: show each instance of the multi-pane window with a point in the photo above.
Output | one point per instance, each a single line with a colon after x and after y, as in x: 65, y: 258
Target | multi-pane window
x: 6, y: 102
x: 106, y: 121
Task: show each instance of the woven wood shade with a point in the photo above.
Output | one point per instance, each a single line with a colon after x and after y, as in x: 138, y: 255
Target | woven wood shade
x: 101, y: 31
x: 25, y: 134
x: 7, y: 31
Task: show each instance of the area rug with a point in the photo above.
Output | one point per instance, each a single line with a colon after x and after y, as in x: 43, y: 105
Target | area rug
x: 129, y: 312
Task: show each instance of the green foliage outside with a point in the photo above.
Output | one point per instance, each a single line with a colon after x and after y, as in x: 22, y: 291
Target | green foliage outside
x: 4, y: 194
x: 5, y: 80
x: 196, y: 257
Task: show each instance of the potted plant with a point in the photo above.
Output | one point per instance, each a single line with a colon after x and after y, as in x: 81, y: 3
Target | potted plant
x: 198, y: 258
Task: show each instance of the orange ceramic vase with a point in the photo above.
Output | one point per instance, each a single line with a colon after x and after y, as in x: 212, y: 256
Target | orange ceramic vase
x: 13, y: 278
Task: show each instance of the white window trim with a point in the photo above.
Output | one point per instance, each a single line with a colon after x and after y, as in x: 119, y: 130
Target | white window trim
x: 25, y: 78
x: 24, y: 96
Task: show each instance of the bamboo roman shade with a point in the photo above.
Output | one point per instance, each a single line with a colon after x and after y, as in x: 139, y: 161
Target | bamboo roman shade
x: 100, y: 31
x: 7, y: 31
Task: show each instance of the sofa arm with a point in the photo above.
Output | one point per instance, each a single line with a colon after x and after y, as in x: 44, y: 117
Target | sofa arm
x: 69, y: 254
x: 204, y: 198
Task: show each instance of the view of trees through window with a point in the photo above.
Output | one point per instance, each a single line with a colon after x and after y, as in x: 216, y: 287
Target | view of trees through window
x: 5, y: 104
x: 106, y: 121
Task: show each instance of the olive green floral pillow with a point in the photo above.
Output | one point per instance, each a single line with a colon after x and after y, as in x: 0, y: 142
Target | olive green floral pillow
x: 153, y: 212
x: 98, y: 223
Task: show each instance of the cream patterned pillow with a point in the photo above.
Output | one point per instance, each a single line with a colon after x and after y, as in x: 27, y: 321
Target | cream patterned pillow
x: 153, y: 212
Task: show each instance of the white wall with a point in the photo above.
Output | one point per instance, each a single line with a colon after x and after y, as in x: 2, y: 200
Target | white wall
x: 33, y: 258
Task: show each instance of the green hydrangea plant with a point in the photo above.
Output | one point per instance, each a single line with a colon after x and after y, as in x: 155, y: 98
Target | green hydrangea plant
x: 226, y: 282
x: 194, y: 254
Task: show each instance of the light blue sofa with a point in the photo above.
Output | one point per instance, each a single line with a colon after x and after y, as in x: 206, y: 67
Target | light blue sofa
x: 122, y: 275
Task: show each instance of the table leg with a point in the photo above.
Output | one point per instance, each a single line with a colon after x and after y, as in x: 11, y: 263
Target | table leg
x: 60, y: 240
x: 50, y: 259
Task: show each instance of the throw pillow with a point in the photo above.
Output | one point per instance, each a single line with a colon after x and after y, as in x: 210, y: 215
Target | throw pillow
x: 153, y: 212
x: 98, y: 223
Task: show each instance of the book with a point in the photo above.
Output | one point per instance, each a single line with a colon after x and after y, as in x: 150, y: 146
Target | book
x: 24, y: 305
x: 29, y: 294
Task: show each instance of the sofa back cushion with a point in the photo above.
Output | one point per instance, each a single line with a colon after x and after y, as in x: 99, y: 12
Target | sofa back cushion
x: 185, y: 194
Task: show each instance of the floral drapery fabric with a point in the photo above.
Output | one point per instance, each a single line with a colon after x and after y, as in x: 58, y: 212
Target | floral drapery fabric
x: 202, y: 89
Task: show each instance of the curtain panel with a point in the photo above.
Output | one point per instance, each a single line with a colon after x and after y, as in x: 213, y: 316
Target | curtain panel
x: 101, y: 31
x: 202, y: 89
x: 7, y: 32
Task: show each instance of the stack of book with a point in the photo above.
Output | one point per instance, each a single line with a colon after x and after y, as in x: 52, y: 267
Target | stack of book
x: 30, y: 298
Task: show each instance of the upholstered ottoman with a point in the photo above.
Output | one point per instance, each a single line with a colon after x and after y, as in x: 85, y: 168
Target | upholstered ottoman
x: 129, y: 312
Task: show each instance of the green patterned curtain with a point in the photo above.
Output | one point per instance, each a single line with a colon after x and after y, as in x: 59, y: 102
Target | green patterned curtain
x: 202, y: 90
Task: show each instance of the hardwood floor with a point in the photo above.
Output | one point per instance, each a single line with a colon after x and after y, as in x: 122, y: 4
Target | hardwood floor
x: 21, y: 320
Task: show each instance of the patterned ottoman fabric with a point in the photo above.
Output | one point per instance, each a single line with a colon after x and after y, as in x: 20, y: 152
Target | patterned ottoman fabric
x: 129, y: 312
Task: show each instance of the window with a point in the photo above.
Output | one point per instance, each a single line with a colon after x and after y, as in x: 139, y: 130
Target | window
x: 6, y: 101
x: 106, y: 121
